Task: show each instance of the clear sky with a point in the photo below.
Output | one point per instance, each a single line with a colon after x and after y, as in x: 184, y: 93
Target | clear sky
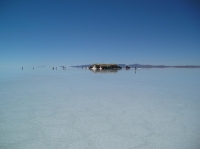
x: 73, y: 32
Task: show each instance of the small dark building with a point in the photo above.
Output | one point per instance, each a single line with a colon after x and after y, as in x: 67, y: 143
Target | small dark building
x: 127, y: 67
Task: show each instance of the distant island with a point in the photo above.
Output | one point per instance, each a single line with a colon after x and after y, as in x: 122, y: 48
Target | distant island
x: 104, y: 66
x: 139, y: 66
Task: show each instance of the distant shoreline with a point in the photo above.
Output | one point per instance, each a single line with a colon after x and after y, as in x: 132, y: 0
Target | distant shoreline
x: 145, y: 66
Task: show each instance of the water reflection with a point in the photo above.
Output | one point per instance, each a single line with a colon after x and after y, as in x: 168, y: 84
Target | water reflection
x: 107, y: 70
x: 104, y: 71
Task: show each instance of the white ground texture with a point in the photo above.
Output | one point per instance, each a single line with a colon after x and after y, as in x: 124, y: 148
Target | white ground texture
x: 80, y: 109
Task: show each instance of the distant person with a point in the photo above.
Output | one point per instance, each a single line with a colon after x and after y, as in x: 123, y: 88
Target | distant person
x: 22, y: 68
x: 33, y: 67
x: 53, y: 68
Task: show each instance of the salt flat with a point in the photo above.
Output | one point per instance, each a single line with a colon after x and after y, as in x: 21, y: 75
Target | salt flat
x: 77, y: 108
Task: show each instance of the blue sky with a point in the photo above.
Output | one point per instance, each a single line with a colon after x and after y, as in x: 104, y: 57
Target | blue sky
x: 73, y: 32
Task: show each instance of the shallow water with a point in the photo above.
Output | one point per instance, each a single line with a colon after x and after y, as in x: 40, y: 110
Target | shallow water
x: 78, y: 108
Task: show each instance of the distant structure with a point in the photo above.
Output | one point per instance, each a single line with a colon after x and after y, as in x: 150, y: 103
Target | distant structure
x: 127, y: 67
x: 63, y: 67
x: 104, y: 66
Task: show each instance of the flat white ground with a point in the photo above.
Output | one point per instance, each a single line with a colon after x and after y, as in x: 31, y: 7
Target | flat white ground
x: 75, y: 108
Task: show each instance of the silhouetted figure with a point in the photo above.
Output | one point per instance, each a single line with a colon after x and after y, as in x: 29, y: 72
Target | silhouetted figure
x: 53, y: 68
x: 33, y: 67
x: 63, y: 67
x: 22, y: 68
x: 135, y: 69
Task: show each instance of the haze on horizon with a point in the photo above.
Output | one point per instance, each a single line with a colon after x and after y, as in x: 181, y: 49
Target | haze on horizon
x: 72, y: 32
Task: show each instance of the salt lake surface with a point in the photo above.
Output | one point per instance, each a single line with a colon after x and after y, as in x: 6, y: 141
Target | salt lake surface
x: 80, y: 109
